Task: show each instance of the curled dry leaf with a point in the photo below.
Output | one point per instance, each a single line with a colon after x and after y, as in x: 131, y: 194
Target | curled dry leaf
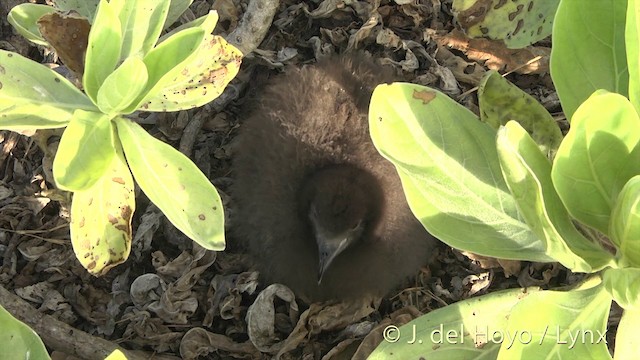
x: 198, y: 342
x: 375, y: 337
x: 149, y: 224
x: 174, y: 302
x: 538, y: 274
x: 325, y: 317
x: 146, y: 288
x: 261, y: 317
x: 225, y: 295
x: 510, y: 267
x: 144, y: 330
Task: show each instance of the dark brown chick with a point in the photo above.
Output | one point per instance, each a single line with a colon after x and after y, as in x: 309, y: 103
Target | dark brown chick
x: 323, y: 212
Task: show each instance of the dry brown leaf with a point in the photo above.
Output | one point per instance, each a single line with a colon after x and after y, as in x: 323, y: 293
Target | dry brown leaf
x: 495, y: 55
x: 261, y: 317
x: 198, y: 342
x: 69, y: 35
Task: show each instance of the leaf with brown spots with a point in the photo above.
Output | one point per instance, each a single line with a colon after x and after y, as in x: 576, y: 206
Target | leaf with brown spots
x: 501, y: 101
x: 68, y: 34
x: 101, y: 219
x: 199, y: 78
x: 518, y: 22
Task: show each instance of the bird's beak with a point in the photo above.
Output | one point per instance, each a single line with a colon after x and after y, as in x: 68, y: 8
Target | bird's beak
x: 328, y: 249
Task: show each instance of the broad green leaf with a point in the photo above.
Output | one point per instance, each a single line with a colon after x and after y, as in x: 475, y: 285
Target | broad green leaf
x: 599, y: 155
x: 86, y: 149
x: 175, y: 185
x: 165, y: 61
x: 86, y: 8
x: 123, y: 86
x: 624, y: 286
x: 528, y: 174
x: 24, y: 19
x: 18, y: 340
x: 625, y: 222
x: 559, y: 325
x: 518, y: 23
x: 101, y: 218
x: 450, y: 173
x: 588, y: 51
x: 35, y: 97
x: 501, y: 101
x: 176, y: 9
x: 141, y: 22
x: 627, y: 344
x: 468, y: 329
x: 632, y: 44
x: 103, y: 49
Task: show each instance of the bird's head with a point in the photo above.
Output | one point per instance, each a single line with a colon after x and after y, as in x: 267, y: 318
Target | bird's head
x: 342, y: 206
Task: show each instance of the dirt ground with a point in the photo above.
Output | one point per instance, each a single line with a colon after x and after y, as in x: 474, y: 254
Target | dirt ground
x: 172, y: 299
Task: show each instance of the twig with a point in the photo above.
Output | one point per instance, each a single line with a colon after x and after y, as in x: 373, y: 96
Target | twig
x: 63, y: 337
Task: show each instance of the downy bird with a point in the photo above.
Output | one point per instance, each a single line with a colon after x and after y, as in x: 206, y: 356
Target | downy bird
x: 320, y: 209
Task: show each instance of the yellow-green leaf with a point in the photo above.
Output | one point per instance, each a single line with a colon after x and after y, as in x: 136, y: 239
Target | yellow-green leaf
x: 624, y: 286
x: 175, y: 185
x: 101, y: 218
x: 598, y: 156
x: 123, y: 86
x: 625, y: 222
x: 528, y: 174
x: 33, y: 96
x: 627, y: 344
x: 85, y: 151
x: 501, y: 101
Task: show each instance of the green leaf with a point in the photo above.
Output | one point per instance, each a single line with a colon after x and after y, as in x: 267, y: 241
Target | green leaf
x: 625, y: 222
x: 18, y: 340
x: 176, y: 9
x: 624, y: 286
x: 165, y: 61
x: 86, y: 149
x: 501, y: 101
x: 528, y: 174
x: 627, y: 344
x: 101, y: 218
x: 35, y: 97
x: 200, y: 78
x: 103, y: 49
x: 450, y: 173
x: 561, y: 325
x: 24, y: 18
x: 86, y: 8
x: 632, y: 43
x: 122, y: 87
x: 518, y: 23
x: 175, y: 185
x: 141, y: 21
x: 468, y: 329
x: 588, y: 51
x: 599, y: 155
